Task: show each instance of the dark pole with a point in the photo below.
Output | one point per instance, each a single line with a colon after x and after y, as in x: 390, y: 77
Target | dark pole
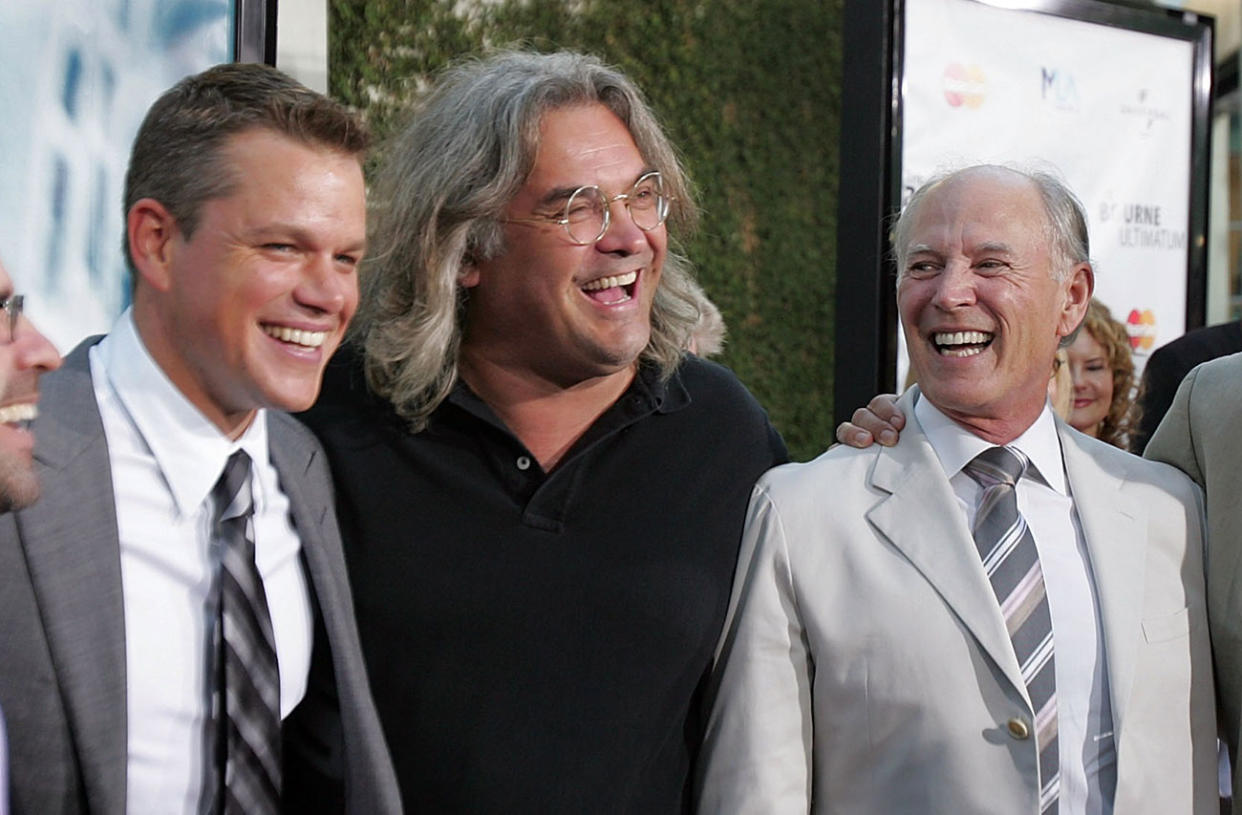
x: 865, y: 352
x: 254, y: 37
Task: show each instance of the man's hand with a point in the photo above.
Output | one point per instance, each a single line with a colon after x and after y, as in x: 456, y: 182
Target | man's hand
x: 879, y: 420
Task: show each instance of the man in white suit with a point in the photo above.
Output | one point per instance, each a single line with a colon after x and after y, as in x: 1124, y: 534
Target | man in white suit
x: 875, y: 660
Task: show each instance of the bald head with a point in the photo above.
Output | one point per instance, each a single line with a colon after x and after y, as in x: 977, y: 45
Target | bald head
x: 1064, y: 221
x: 985, y: 297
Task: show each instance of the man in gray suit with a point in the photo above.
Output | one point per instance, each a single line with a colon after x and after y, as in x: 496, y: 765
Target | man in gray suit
x: 178, y: 628
x: 1202, y: 436
x: 997, y: 614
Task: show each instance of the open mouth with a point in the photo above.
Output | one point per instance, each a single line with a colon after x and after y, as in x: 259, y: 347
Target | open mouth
x: 296, y: 336
x: 20, y: 414
x: 612, y: 289
x: 961, y: 343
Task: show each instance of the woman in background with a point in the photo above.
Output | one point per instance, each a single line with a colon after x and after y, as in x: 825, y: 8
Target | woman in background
x: 1104, y: 383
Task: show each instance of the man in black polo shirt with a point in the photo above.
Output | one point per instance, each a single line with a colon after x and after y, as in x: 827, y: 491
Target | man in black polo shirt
x: 541, y: 493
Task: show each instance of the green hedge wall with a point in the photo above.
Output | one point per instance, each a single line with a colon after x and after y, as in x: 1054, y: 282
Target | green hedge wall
x: 748, y: 91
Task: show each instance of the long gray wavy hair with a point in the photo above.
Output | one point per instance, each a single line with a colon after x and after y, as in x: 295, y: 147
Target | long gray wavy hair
x: 446, y: 180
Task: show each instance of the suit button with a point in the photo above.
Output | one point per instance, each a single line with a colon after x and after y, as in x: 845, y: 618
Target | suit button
x: 1018, y: 728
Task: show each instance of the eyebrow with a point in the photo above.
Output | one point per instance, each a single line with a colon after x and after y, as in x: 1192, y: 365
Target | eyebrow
x: 297, y: 233
x: 993, y: 246
x: 986, y: 247
x: 560, y: 194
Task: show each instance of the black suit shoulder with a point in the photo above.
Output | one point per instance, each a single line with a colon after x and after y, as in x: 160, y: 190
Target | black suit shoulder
x: 729, y: 406
x: 1169, y: 365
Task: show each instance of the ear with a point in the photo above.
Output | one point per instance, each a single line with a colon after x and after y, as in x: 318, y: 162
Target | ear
x: 150, y: 228
x: 1077, y: 289
x: 468, y: 275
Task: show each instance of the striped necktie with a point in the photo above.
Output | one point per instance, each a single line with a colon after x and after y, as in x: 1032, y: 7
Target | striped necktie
x: 1012, y: 564
x: 246, y: 684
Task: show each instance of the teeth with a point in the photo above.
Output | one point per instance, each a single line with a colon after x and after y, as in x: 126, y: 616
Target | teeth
x: 310, y: 339
x: 18, y: 413
x: 961, y: 338
x: 961, y: 352
x: 610, y: 282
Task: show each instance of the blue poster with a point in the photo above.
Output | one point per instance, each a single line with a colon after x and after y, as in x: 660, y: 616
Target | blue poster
x: 76, y: 77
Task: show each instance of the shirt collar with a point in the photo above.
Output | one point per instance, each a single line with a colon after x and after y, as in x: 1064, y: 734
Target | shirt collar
x: 650, y: 391
x: 189, y: 450
x: 955, y: 446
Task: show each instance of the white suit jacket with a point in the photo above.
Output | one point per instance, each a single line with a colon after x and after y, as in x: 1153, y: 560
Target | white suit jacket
x: 865, y: 666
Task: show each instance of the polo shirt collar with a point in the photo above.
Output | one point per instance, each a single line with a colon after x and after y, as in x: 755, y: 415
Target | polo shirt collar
x: 649, y: 392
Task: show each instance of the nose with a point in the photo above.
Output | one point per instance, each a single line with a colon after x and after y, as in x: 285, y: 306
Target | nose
x: 328, y: 285
x: 955, y: 287
x: 623, y: 236
x: 33, y: 350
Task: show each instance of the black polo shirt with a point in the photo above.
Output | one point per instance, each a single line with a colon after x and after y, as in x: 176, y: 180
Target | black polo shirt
x: 539, y: 642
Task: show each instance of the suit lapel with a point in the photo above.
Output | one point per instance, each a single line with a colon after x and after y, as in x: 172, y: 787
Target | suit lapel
x: 292, y: 459
x: 921, y: 519
x: 71, y: 546
x: 1114, y: 528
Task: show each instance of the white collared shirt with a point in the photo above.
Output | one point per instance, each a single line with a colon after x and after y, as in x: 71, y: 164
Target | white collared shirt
x: 1084, y: 710
x: 166, y: 457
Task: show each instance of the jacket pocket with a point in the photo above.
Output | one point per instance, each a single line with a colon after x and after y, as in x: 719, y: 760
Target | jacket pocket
x: 1167, y: 627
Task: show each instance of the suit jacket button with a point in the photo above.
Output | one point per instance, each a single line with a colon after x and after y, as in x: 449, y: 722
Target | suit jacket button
x: 1018, y: 728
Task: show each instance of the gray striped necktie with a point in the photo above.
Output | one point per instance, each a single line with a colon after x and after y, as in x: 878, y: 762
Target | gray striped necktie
x: 246, y: 678
x: 1012, y: 564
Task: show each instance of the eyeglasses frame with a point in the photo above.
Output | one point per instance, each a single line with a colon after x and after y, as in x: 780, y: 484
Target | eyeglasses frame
x: 608, y: 202
x: 13, y: 306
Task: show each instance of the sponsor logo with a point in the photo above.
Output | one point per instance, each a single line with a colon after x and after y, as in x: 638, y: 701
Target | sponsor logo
x: 1058, y: 89
x: 1143, y: 108
x: 1141, y: 326
x: 1142, y: 226
x: 964, y: 85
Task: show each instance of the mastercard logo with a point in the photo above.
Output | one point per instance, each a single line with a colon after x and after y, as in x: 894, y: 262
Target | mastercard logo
x: 1141, y: 326
x: 964, y: 85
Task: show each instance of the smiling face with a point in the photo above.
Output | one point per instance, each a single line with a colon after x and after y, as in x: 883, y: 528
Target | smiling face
x: 245, y: 313
x: 21, y: 363
x: 1093, y: 384
x: 549, y: 309
x: 981, y: 311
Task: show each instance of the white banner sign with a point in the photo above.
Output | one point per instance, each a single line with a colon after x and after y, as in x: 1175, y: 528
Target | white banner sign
x: 1107, y: 109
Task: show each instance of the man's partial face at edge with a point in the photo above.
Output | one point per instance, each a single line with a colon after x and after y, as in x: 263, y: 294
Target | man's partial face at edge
x: 245, y: 312
x: 981, y: 310
x: 22, y: 361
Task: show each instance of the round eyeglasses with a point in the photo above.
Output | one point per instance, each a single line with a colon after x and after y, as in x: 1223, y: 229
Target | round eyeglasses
x: 588, y: 214
x: 12, y: 306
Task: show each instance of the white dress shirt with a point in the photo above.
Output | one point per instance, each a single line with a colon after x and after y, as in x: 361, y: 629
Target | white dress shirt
x: 166, y: 457
x: 1084, y: 717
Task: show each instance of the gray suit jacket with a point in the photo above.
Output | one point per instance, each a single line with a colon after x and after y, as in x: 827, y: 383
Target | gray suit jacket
x: 866, y: 668
x: 62, y: 629
x: 1202, y: 436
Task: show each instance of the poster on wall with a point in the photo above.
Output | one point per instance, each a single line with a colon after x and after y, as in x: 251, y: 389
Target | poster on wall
x: 1108, y: 109
x: 78, y: 77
